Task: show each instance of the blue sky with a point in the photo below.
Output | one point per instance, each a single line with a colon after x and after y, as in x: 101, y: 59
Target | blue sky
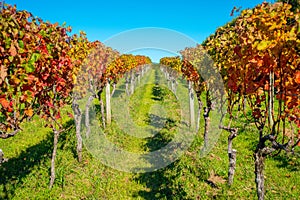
x: 103, y: 19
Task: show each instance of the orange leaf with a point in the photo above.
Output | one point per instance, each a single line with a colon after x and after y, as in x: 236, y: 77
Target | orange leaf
x: 4, y: 103
x: 297, y: 77
x: 30, y: 78
x: 3, y: 73
x: 13, y: 50
x: 299, y: 137
x: 28, y: 112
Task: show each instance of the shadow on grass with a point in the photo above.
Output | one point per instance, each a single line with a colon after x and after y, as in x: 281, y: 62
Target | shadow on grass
x: 158, y: 93
x: 162, y: 137
x: 160, y: 184
x: 290, y: 162
x: 13, y: 172
x: 171, y: 182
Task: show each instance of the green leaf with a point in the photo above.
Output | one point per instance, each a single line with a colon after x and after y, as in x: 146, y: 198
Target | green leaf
x: 22, y: 106
x: 29, y: 67
x: 21, y: 34
x: 7, y: 43
x: 35, y: 57
x: 43, y: 33
x: 49, y: 47
x: 10, y: 58
x: 21, y: 44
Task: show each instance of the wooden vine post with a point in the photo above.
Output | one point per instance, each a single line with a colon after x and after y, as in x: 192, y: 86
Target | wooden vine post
x: 108, y: 106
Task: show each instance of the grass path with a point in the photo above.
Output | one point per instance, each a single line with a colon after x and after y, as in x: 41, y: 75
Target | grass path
x: 26, y: 174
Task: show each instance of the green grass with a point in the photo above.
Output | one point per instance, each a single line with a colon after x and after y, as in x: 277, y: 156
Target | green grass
x: 26, y: 173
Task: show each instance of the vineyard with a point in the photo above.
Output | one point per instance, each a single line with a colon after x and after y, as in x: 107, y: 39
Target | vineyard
x: 223, y: 117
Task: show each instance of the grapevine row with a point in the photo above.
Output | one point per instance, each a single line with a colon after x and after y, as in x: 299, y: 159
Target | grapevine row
x: 257, y: 55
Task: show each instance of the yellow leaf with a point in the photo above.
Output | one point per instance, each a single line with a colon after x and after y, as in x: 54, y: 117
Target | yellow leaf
x: 263, y: 45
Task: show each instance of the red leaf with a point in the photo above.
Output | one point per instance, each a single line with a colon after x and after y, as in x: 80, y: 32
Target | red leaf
x: 237, y: 50
x: 70, y: 115
x: 58, y: 116
x: 50, y: 105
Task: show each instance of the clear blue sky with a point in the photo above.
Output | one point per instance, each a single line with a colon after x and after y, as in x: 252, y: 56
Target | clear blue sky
x: 102, y: 19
